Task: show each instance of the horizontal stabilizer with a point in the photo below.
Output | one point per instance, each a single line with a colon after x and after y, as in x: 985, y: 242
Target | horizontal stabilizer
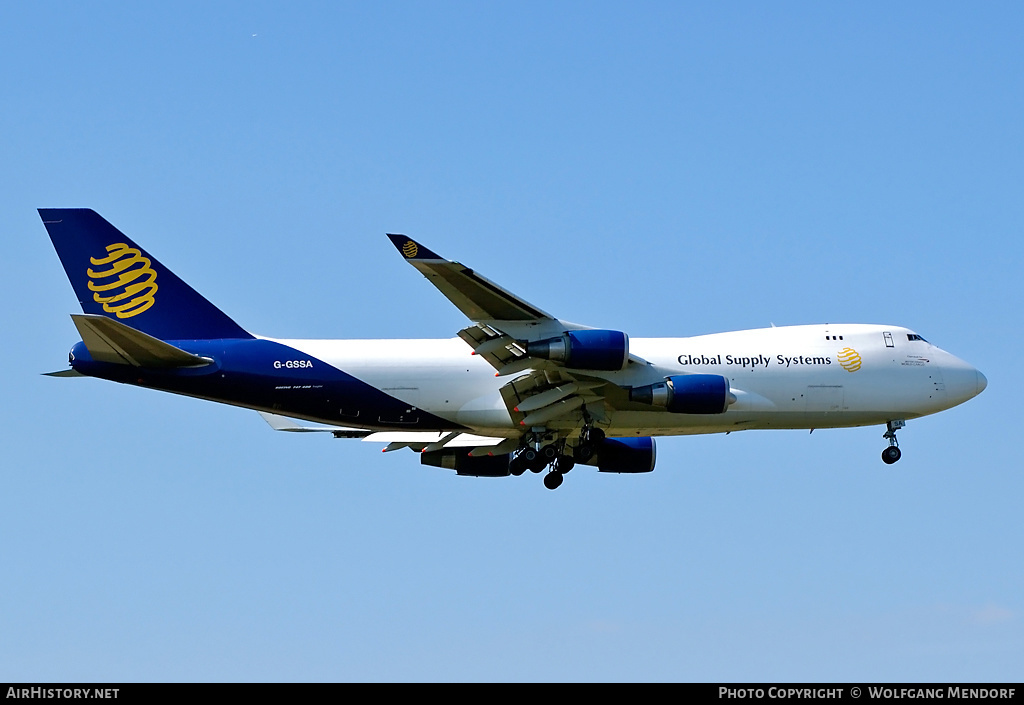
x: 64, y: 373
x: 110, y: 341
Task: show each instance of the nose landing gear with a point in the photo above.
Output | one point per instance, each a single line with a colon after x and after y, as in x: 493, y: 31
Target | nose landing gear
x: 891, y: 454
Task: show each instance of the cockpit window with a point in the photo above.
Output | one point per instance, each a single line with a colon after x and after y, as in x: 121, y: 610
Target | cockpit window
x: 915, y: 336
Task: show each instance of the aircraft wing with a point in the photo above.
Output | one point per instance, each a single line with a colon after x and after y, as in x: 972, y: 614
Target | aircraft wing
x: 515, y: 336
x: 504, y: 322
x: 284, y: 423
x: 477, y: 297
x: 419, y: 441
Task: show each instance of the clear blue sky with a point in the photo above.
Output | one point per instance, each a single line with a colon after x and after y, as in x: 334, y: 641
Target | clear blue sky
x: 661, y: 168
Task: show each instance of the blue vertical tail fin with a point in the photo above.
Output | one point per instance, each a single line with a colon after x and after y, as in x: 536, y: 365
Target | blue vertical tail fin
x: 114, y: 277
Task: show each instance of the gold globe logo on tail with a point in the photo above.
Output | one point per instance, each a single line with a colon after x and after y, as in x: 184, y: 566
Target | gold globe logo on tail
x: 123, y: 281
x: 849, y: 359
x: 410, y: 250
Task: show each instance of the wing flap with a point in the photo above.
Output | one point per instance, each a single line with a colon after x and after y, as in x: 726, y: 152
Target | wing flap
x: 555, y: 394
x: 493, y: 346
x: 456, y: 440
x: 425, y: 441
x: 545, y: 396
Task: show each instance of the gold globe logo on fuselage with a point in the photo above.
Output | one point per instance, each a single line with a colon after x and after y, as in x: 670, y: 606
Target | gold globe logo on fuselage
x: 849, y: 359
x: 410, y: 250
x: 126, y: 284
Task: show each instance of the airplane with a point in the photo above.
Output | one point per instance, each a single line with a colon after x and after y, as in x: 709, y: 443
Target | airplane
x: 518, y: 389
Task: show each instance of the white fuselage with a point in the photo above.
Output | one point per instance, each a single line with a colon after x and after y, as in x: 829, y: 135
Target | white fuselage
x: 815, y: 376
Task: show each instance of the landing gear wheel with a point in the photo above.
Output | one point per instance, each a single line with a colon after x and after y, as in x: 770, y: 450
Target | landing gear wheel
x: 533, y: 460
x: 564, y: 464
x: 890, y: 455
x: 553, y: 480
x: 584, y: 452
x: 590, y: 439
x: 549, y: 452
x: 517, y: 466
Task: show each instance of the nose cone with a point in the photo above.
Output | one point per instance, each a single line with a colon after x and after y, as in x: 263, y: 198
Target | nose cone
x: 962, y: 381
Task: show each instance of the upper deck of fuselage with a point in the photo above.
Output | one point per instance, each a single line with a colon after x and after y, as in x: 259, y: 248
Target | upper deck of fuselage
x: 785, y: 339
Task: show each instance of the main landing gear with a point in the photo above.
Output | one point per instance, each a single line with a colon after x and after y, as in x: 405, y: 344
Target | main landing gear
x: 891, y: 454
x: 590, y: 438
x: 559, y: 466
x: 537, y: 457
x: 535, y: 460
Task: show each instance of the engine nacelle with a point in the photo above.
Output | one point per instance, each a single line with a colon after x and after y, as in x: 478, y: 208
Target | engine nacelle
x: 463, y: 464
x: 687, y: 394
x: 626, y: 455
x: 606, y: 350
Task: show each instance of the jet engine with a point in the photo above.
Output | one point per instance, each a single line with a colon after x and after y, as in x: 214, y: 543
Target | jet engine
x: 624, y: 455
x: 687, y: 394
x: 464, y: 464
x: 606, y: 350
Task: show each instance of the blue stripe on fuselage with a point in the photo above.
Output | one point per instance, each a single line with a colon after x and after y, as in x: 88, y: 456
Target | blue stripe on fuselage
x: 269, y: 376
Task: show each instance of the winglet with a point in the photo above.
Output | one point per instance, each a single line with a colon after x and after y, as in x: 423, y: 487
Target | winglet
x: 411, y: 249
